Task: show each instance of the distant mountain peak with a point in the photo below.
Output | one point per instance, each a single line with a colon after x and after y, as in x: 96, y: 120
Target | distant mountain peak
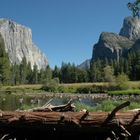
x: 113, y: 46
x: 85, y: 65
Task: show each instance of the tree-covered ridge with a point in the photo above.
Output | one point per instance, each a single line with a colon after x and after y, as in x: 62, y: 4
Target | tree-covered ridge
x: 24, y: 74
x: 20, y: 73
x: 101, y: 70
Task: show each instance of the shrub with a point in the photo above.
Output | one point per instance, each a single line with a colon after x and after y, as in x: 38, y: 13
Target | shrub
x: 106, y: 106
x: 122, y: 81
x: 108, y: 74
x: 51, y: 86
x: 64, y: 89
x: 80, y: 106
x: 92, y: 89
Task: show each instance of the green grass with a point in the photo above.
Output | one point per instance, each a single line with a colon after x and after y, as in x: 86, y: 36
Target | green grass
x: 98, y: 87
x: 105, y: 106
x: 125, y: 92
x: 79, y: 106
x: 21, y: 88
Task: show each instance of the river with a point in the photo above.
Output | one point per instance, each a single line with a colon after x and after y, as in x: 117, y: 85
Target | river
x: 19, y: 101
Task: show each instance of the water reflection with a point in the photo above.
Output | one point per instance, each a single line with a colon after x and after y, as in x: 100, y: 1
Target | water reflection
x: 11, y: 102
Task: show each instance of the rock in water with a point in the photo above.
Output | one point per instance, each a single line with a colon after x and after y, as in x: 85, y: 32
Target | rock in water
x: 19, y: 44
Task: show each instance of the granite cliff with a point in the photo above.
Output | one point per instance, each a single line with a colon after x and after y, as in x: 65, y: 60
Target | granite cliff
x: 131, y: 28
x: 111, y: 46
x: 114, y: 46
x: 18, y: 44
x: 85, y: 65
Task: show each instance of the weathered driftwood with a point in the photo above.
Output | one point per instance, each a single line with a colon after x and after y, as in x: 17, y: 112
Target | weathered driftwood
x: 49, y: 108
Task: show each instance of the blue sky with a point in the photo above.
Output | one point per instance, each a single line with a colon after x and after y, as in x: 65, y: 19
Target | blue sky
x: 66, y: 30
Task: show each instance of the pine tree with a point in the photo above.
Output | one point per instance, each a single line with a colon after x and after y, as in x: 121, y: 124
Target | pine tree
x: 137, y: 66
x: 82, y: 75
x: 23, y: 71
x: 93, y: 72
x: 56, y: 72
x: 41, y: 76
x: 29, y: 74
x: 15, y: 69
x: 48, y: 73
x: 135, y: 8
x: 5, y: 73
x: 35, y: 75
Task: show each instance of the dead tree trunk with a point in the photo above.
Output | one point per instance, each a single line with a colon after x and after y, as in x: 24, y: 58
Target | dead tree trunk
x: 115, y: 123
x: 95, y: 122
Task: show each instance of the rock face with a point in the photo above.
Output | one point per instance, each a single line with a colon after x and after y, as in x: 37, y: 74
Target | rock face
x: 131, y: 28
x: 19, y: 44
x: 113, y: 46
x: 85, y: 65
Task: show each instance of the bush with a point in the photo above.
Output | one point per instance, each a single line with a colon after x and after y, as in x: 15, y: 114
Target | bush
x: 64, y: 89
x: 51, y: 86
x: 106, y: 106
x: 92, y: 89
x: 122, y: 81
x: 108, y: 74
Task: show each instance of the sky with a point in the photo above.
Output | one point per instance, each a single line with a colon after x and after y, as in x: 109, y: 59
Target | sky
x: 66, y: 30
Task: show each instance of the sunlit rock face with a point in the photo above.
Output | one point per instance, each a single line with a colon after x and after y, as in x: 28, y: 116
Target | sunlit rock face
x: 85, y: 65
x: 114, y: 46
x: 131, y: 28
x: 18, y: 44
x: 111, y: 46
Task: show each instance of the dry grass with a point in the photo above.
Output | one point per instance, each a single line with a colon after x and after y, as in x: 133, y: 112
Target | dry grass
x: 84, y: 84
x: 132, y: 85
x: 21, y: 88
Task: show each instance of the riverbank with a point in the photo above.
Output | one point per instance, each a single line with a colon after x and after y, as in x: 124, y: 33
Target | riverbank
x: 91, y: 102
x: 87, y: 88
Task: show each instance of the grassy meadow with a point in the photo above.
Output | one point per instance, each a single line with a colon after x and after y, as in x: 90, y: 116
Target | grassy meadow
x: 133, y: 87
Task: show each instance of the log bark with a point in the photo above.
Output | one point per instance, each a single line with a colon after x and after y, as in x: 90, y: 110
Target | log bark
x: 75, y: 120
x: 30, y: 125
x: 114, y: 124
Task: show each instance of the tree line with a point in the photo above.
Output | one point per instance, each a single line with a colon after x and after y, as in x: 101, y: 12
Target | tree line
x: 16, y: 74
x: 101, y: 70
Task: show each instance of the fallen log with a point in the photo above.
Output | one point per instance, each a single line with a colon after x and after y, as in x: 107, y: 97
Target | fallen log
x: 115, y: 124
x: 69, y: 121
